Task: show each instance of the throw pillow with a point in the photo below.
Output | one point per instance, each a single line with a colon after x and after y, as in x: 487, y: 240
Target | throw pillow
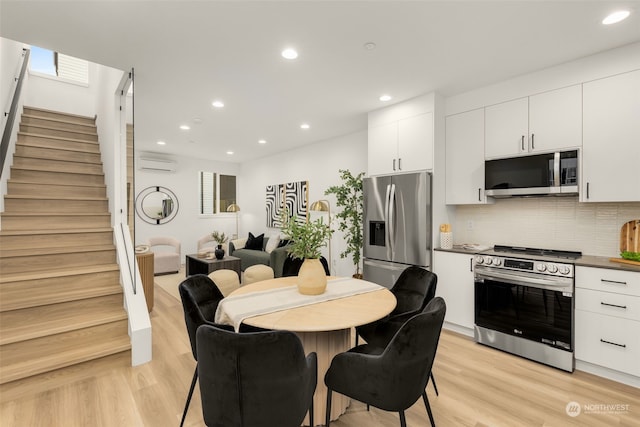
x: 272, y: 243
x: 254, y: 242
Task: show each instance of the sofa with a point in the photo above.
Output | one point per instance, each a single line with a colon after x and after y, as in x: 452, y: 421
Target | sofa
x: 248, y: 257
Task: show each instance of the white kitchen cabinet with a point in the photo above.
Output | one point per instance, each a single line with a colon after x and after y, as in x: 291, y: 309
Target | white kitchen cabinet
x: 507, y: 127
x: 611, y: 143
x: 607, y: 318
x: 404, y: 145
x: 455, y: 286
x: 464, y: 147
x: 540, y: 123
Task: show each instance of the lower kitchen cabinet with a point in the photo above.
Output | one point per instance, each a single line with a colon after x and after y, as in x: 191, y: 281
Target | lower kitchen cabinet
x: 455, y: 286
x: 607, y: 318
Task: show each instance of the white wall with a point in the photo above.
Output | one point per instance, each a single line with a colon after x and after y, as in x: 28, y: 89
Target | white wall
x: 318, y: 164
x: 187, y: 226
x: 10, y: 65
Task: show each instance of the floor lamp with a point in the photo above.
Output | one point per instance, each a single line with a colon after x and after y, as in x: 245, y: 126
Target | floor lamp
x: 235, y: 209
x: 324, y: 206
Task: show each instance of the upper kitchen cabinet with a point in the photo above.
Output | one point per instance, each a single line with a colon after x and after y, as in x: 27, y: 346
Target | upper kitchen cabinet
x: 464, y: 135
x: 611, y: 143
x: 403, y: 145
x: 539, y: 123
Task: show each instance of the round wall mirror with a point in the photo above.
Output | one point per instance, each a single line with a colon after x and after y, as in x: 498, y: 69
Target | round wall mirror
x: 156, y: 205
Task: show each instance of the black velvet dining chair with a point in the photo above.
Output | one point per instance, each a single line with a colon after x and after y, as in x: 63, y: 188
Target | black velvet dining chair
x: 254, y: 379
x: 413, y: 290
x: 391, y: 378
x: 292, y: 266
x: 200, y: 298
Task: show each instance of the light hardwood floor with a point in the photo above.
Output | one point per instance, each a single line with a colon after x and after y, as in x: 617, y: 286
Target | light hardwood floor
x: 478, y: 387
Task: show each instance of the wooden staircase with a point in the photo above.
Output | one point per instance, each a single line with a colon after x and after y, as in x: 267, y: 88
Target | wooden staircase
x: 61, y: 303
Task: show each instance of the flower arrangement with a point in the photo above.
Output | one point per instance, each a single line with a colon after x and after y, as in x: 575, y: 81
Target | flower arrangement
x: 306, y: 238
x: 219, y: 238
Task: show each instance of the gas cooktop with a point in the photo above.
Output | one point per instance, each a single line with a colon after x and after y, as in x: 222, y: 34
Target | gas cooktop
x: 537, y: 252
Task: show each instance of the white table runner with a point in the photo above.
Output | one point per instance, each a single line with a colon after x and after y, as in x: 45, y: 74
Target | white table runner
x: 233, y: 310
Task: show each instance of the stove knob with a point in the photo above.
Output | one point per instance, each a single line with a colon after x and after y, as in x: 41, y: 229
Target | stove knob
x: 497, y: 261
x: 552, y: 268
x: 541, y: 267
x: 479, y: 259
x: 487, y: 260
x: 564, y: 269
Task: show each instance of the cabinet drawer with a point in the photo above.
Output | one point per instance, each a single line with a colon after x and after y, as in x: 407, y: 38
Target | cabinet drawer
x: 608, y: 303
x: 604, y: 279
x: 608, y: 341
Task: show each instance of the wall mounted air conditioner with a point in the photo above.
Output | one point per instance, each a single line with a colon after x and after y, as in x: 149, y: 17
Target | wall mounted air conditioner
x: 158, y: 165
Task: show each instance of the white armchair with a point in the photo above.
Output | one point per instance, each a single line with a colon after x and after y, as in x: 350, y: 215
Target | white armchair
x: 166, y: 251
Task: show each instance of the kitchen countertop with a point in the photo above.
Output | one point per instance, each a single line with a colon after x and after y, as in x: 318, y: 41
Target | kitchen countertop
x: 583, y: 261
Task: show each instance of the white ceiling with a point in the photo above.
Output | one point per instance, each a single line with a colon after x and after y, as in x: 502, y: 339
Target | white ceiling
x: 188, y: 53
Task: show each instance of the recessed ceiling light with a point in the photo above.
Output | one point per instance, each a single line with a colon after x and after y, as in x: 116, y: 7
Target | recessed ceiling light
x: 230, y: 152
x: 305, y: 126
x: 185, y: 127
x: 262, y: 141
x: 369, y: 46
x: 218, y: 104
x: 385, y: 98
x: 616, y: 17
x: 161, y: 143
x: 289, y: 53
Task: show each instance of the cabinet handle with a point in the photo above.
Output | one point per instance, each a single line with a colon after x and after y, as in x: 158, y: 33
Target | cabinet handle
x: 587, y: 190
x: 533, y: 144
x: 399, y: 164
x: 479, y: 197
x: 471, y: 264
x: 522, y: 142
x: 613, y: 305
x: 394, y: 164
x: 613, y: 343
x: 614, y: 282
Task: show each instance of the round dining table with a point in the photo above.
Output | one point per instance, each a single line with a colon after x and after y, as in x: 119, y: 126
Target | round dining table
x: 324, y: 327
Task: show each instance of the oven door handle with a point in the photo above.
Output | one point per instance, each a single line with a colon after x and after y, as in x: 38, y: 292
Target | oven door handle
x: 536, y: 282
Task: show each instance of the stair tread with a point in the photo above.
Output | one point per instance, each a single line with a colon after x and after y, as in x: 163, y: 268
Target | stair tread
x: 46, y: 197
x: 14, y: 167
x: 60, y: 350
x: 59, y: 272
x: 50, y: 231
x: 80, y: 184
x: 36, y: 214
x: 63, y: 161
x: 58, y: 129
x: 62, y: 113
x: 88, y: 150
x: 60, y: 138
x: 54, y: 250
x: 49, y: 291
x: 30, y: 323
x: 51, y: 119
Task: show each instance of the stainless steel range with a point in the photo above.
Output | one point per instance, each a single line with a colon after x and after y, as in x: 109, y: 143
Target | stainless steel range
x: 524, y: 303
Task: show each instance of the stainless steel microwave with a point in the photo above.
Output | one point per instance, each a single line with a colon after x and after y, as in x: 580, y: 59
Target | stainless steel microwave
x: 554, y: 174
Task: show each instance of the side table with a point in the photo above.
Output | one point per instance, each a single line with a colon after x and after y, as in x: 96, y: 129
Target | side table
x: 145, y: 266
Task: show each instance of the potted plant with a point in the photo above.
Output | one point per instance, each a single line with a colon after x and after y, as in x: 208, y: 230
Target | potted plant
x: 349, y: 196
x: 307, y: 238
x: 220, y: 239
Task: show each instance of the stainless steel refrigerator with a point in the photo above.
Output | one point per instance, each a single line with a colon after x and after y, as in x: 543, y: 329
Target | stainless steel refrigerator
x: 397, y: 225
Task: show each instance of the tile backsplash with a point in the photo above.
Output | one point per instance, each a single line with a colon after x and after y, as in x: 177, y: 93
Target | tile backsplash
x: 546, y: 222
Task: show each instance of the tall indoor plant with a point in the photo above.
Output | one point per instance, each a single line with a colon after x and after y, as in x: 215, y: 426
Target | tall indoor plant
x: 306, y: 240
x: 350, y: 198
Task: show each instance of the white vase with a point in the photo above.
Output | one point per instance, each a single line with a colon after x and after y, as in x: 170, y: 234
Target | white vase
x: 312, y: 279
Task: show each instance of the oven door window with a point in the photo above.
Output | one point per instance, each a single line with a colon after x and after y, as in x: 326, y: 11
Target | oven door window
x: 536, y: 314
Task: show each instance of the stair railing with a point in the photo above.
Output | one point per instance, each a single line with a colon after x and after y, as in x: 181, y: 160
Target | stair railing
x: 11, y: 114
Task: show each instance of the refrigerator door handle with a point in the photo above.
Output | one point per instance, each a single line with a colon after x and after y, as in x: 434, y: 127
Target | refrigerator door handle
x: 387, y: 241
x: 391, y: 223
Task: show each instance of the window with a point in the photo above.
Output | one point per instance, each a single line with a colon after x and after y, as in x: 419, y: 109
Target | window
x: 56, y: 64
x: 217, y: 193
